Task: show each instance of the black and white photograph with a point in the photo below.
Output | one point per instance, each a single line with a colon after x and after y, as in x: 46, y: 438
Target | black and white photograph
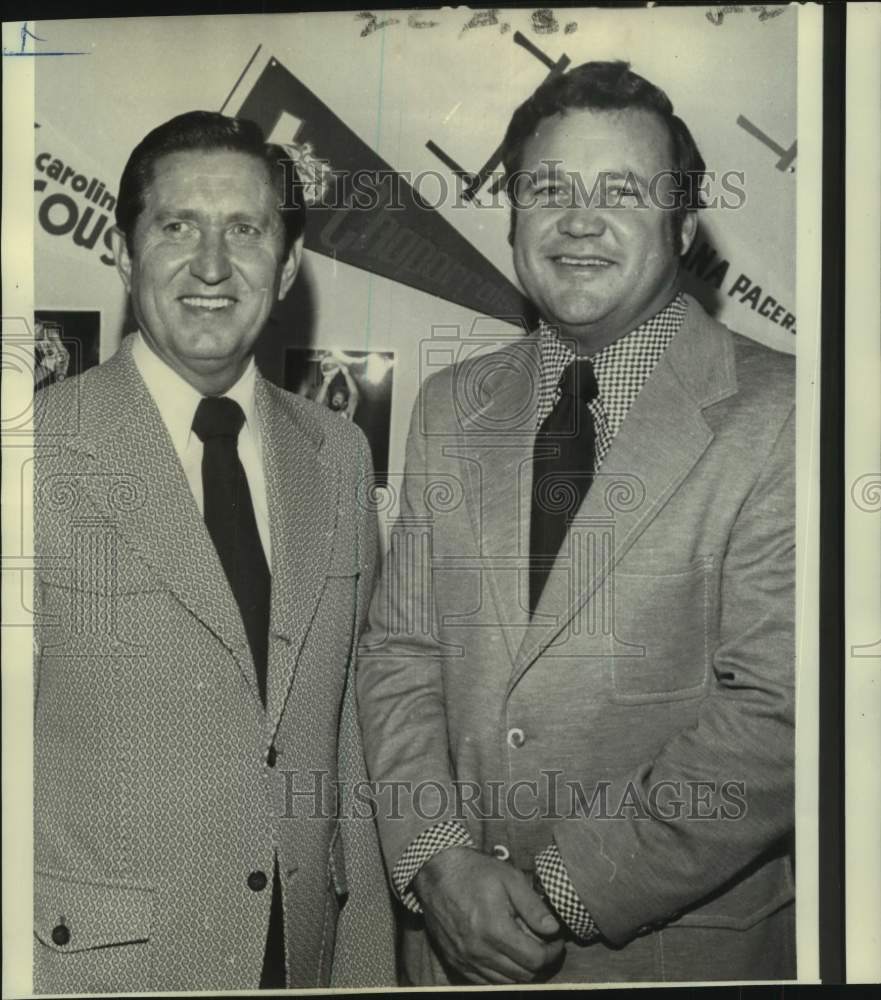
x: 355, y: 384
x: 65, y: 344
x: 422, y: 587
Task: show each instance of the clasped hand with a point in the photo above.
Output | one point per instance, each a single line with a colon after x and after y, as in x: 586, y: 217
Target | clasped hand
x: 485, y: 917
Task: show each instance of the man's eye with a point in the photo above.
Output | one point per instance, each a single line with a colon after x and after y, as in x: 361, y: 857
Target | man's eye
x: 549, y: 193
x: 176, y: 228
x: 245, y: 229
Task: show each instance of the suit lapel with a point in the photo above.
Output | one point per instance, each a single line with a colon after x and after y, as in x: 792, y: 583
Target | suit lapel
x: 124, y: 439
x: 662, y: 438
x: 496, y: 443
x: 303, y: 506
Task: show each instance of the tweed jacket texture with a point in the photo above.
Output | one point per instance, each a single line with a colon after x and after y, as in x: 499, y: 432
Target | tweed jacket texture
x: 156, y: 794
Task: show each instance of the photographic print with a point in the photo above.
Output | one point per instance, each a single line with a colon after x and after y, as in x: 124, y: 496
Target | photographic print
x: 65, y: 344
x: 355, y: 384
x: 519, y: 705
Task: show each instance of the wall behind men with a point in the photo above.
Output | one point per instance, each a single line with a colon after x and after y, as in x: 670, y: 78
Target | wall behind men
x: 376, y: 89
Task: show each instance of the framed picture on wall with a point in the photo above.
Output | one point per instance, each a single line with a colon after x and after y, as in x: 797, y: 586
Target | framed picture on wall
x: 66, y: 342
x: 355, y: 384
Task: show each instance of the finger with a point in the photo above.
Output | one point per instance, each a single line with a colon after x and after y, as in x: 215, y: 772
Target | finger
x: 530, y: 907
x: 528, y: 951
x: 498, y: 968
x: 494, y: 979
x: 481, y: 957
x: 554, y: 948
x: 487, y: 977
x: 524, y: 927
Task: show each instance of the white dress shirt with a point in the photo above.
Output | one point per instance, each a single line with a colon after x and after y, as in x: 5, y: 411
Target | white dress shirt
x: 177, y: 400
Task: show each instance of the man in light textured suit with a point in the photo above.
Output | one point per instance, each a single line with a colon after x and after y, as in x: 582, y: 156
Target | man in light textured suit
x: 204, y: 572
x: 579, y: 667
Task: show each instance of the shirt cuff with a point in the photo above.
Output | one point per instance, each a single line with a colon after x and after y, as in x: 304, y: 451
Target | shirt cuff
x: 554, y: 879
x: 439, y: 837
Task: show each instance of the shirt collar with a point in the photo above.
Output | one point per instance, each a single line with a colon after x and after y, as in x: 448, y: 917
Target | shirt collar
x: 665, y: 322
x: 177, y: 400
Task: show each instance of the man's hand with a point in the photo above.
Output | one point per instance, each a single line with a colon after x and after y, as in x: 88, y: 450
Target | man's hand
x: 485, y: 917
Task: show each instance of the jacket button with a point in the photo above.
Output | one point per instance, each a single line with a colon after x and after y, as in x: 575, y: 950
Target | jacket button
x: 60, y: 934
x: 516, y: 738
x: 501, y: 852
x: 257, y: 881
x: 271, y: 757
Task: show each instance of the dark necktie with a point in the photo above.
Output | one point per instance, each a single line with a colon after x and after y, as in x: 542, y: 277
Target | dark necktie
x: 562, y: 470
x: 229, y: 517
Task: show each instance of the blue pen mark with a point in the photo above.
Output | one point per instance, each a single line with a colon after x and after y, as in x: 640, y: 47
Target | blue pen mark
x: 26, y: 33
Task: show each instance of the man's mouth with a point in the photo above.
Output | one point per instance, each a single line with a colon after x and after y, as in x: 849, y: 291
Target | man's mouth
x: 210, y: 302
x: 589, y: 261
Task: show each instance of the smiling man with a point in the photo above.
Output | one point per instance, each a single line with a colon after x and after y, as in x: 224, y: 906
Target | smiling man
x: 205, y: 568
x: 590, y: 666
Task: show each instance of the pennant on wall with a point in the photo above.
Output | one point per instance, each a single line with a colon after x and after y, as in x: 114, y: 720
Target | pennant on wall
x: 373, y: 218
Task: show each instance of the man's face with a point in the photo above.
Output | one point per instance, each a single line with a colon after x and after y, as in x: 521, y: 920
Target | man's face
x: 207, y: 263
x: 597, y: 269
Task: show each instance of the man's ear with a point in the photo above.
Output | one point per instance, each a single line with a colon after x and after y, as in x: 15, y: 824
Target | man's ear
x: 290, y: 267
x: 689, y: 231
x: 121, y: 256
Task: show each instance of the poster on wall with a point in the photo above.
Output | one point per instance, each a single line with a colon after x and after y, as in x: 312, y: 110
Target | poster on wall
x: 357, y: 385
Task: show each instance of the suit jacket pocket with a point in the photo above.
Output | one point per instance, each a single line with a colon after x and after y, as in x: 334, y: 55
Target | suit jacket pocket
x: 661, y: 642
x: 99, y: 560
x: 74, y: 915
x: 95, y: 592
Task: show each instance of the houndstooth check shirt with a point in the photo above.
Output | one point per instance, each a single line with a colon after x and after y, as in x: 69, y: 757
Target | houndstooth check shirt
x: 621, y: 369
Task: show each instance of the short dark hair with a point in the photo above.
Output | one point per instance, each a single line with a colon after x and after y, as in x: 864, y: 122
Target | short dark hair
x: 200, y: 131
x: 607, y: 86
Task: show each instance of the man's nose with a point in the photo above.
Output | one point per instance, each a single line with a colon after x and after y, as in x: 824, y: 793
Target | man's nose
x: 581, y: 221
x: 210, y: 263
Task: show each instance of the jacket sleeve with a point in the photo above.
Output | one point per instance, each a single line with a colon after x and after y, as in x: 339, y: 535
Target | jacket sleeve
x: 400, y: 683
x: 644, y: 869
x: 364, y: 954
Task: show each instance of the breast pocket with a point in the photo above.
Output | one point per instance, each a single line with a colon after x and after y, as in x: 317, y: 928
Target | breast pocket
x: 664, y: 624
x: 105, y: 608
